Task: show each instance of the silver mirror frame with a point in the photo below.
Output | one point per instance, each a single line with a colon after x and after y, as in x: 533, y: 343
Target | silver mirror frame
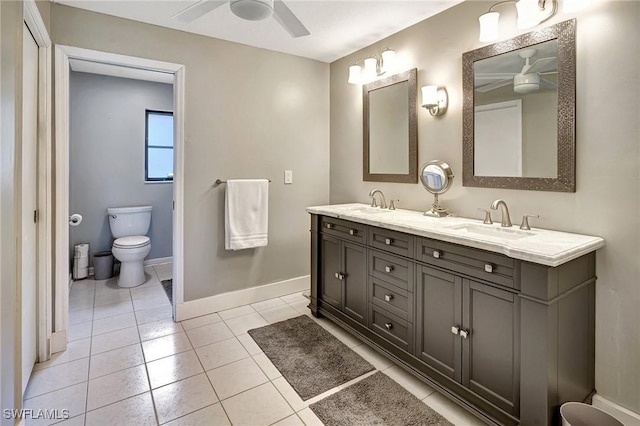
x: 436, y: 210
x: 565, y: 33
x: 412, y: 176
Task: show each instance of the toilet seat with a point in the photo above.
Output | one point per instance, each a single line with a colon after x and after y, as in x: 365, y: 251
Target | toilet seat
x: 135, y: 241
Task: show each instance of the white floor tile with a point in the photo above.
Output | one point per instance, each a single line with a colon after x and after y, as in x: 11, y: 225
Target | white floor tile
x: 294, y: 298
x: 81, y: 301
x: 249, y: 344
x: 173, y: 368
x: 268, y: 304
x: 118, y: 359
x: 301, y: 306
x: 137, y: 410
x: 279, y: 313
x: 165, y: 346
x: 157, y: 329
x: 117, y: 386
x: 73, y: 421
x: 293, y: 420
x: 154, y: 314
x: 221, y: 353
x: 236, y: 312
x: 119, y: 308
x: 114, y: 340
x: 451, y: 411
x: 77, y: 317
x: 289, y: 394
x: 80, y: 331
x: 183, y: 397
x: 237, y: 377
x: 117, y: 322
x: 374, y: 357
x: 158, y: 301
x: 200, y: 321
x: 267, y: 366
x: 75, y: 350
x: 208, y: 416
x: 309, y: 417
x: 262, y: 405
x: 207, y: 334
x: 344, y: 336
x: 57, y: 377
x: 111, y: 298
x: 240, y: 325
x: 164, y: 271
x: 72, y: 399
x: 411, y: 383
x: 147, y: 292
x: 108, y: 286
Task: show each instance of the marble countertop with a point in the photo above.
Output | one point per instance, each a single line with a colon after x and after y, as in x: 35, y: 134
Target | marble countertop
x: 546, y: 247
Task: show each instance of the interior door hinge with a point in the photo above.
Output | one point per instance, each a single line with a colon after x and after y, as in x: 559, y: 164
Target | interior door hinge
x: 35, y: 216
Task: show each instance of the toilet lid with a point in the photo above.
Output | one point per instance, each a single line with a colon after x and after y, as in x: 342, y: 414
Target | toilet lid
x: 132, y: 241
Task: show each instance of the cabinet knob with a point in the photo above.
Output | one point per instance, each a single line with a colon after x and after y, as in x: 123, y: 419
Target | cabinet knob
x: 388, y: 297
x: 353, y: 231
x: 328, y: 225
x: 464, y: 333
x: 388, y: 241
x: 488, y: 268
x: 339, y: 276
x: 388, y: 268
x: 455, y: 330
x: 388, y: 325
x: 437, y: 254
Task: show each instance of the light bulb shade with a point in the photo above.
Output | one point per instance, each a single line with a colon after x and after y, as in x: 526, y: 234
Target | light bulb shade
x: 489, y: 26
x: 354, y: 74
x: 429, y: 96
x: 529, y: 14
x: 252, y: 10
x: 526, y: 83
x: 370, y: 71
x: 435, y: 99
x: 388, y: 60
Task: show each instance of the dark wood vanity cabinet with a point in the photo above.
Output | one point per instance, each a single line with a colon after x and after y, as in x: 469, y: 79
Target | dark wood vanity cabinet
x: 508, y: 340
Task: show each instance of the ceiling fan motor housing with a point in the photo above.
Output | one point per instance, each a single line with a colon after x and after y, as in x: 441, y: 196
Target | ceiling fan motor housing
x: 526, y: 83
x: 252, y: 10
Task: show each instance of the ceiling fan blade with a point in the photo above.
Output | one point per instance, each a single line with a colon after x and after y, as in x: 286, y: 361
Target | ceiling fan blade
x: 197, y: 10
x: 493, y: 86
x: 493, y: 76
x: 540, y: 64
x: 546, y: 84
x: 285, y: 17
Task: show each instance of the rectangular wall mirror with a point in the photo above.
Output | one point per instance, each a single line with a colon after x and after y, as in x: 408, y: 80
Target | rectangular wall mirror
x: 390, y: 136
x: 519, y: 112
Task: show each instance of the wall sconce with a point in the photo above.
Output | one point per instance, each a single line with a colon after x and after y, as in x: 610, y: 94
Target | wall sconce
x: 372, y: 67
x: 530, y: 14
x: 435, y: 99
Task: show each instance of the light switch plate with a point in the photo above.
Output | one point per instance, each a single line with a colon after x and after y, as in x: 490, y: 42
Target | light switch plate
x: 288, y: 176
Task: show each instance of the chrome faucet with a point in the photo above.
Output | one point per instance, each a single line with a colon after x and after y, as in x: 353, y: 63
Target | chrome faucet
x: 506, y: 220
x: 372, y: 194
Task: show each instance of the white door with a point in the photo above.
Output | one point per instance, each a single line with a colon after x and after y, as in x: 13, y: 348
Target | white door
x: 29, y: 203
x: 498, y: 139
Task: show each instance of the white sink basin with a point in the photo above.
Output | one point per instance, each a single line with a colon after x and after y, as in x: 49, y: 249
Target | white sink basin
x: 490, y: 231
x: 369, y: 210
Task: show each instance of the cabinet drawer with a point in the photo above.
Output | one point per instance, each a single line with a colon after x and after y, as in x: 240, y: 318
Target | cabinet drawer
x: 344, y: 229
x: 392, y: 241
x: 394, y: 329
x: 392, y: 269
x: 480, y: 264
x: 391, y: 298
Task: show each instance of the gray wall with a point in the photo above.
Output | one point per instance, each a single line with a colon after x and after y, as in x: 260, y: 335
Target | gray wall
x: 607, y: 201
x: 106, y: 158
x: 249, y: 113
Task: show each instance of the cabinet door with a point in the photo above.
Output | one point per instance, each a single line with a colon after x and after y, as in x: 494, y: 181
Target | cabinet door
x: 438, y: 309
x: 355, y: 282
x: 491, y: 350
x: 330, y: 284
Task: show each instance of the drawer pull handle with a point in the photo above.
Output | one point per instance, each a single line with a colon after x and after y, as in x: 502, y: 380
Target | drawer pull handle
x: 488, y: 268
x: 455, y: 330
x: 464, y: 333
x: 353, y: 231
x: 437, y: 254
x: 328, y: 225
x: 388, y: 297
x: 388, y: 269
x: 339, y: 276
x: 388, y: 325
x: 388, y: 241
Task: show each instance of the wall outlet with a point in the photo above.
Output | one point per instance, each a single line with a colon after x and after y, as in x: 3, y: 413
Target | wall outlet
x: 288, y: 176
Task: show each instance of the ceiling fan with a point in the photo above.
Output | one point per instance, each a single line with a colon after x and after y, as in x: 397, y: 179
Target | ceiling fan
x: 252, y: 10
x: 528, y: 80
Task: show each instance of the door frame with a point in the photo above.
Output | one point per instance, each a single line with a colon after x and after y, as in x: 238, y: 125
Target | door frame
x: 62, y: 254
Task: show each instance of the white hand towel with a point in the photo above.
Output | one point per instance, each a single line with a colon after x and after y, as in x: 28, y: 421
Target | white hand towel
x: 246, y: 213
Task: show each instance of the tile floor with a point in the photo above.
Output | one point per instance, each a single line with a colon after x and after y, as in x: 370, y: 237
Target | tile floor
x: 128, y: 363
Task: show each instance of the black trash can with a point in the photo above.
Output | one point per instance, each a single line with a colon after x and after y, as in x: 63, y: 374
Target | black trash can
x: 102, y: 265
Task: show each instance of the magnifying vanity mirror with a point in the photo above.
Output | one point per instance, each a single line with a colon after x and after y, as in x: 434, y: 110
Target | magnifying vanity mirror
x: 519, y: 112
x: 436, y: 177
x: 390, y: 136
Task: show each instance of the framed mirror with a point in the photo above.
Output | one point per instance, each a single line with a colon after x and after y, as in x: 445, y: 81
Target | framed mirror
x: 436, y: 177
x: 390, y: 134
x: 519, y: 112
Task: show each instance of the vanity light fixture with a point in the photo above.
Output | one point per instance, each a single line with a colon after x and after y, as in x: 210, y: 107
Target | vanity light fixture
x: 530, y: 14
x: 435, y: 99
x: 372, y: 67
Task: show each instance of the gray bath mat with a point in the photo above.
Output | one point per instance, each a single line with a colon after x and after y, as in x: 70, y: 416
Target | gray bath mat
x: 168, y: 289
x: 308, y: 356
x: 376, y: 400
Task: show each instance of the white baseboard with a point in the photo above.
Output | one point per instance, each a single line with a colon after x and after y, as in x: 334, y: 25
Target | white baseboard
x: 158, y: 261
x: 627, y: 417
x: 58, y: 341
x: 220, y: 302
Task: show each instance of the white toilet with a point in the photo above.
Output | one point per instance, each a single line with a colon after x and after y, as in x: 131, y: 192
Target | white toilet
x: 129, y: 227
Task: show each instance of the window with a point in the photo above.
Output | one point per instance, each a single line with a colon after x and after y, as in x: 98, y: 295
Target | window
x: 158, y: 150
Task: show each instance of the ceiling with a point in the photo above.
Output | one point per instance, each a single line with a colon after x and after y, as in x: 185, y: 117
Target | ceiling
x: 338, y: 27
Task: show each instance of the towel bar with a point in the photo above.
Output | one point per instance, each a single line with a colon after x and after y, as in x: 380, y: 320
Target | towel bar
x: 219, y: 182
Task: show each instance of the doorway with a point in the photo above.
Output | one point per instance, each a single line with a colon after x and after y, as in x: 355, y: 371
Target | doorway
x: 65, y: 54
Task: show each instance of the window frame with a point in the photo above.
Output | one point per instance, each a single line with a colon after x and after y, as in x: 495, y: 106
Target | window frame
x: 148, y: 112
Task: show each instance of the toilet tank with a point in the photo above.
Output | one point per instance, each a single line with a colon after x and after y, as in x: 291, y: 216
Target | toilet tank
x: 129, y: 221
